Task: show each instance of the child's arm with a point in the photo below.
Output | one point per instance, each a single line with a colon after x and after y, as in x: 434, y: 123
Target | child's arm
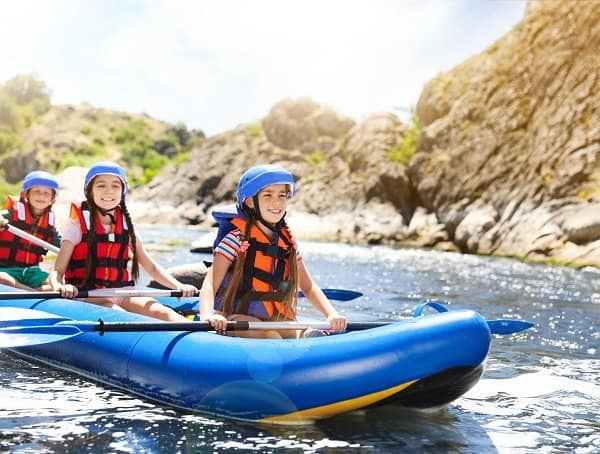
x: 159, y: 274
x: 3, y: 221
x: 56, y: 238
x: 56, y: 278
x: 210, y: 286
x: 318, y: 299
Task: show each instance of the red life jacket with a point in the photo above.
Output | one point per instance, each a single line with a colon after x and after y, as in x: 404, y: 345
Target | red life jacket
x: 109, y: 257
x: 16, y: 251
x: 265, y: 282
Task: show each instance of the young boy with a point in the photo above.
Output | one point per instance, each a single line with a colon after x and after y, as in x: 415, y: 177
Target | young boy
x: 32, y: 213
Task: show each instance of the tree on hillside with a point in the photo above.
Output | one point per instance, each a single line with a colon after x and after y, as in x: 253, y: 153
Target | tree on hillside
x: 22, y: 99
x: 8, y: 114
x: 27, y: 89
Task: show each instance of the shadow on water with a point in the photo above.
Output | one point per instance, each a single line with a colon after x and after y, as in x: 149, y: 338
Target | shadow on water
x: 383, y: 429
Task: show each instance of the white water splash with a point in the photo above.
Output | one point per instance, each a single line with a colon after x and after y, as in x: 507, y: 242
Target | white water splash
x: 531, y: 385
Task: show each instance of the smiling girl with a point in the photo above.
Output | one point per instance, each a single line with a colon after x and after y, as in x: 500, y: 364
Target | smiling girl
x: 98, y: 241
x: 257, y: 270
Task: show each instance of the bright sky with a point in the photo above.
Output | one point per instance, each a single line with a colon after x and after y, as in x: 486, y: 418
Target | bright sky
x: 216, y: 64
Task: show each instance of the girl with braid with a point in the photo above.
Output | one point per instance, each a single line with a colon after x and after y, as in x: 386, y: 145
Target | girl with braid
x: 99, y: 239
x: 257, y: 270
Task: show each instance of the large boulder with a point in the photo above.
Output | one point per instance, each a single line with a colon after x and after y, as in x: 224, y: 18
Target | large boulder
x: 302, y: 124
x: 190, y: 273
x: 15, y: 165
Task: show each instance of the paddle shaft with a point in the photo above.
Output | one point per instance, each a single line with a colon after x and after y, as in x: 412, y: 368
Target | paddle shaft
x: 100, y: 293
x: 509, y: 326
x: 496, y: 326
x: 34, y: 239
x: 334, y: 294
x: 25, y: 327
x: 105, y: 327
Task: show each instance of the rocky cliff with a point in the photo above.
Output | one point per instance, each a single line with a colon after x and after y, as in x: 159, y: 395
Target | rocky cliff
x: 509, y: 159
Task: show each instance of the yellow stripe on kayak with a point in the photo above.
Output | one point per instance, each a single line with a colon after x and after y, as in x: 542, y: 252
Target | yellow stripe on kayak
x: 326, y: 411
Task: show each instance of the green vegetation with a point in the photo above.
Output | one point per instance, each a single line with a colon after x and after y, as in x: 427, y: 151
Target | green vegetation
x: 591, y: 187
x: 255, y: 130
x: 180, y: 158
x: 8, y: 189
x: 315, y: 158
x: 83, y: 155
x: 23, y: 99
x: 150, y: 156
x: 86, y: 135
x: 136, y: 149
x: 402, y: 152
x: 478, y: 193
x: 8, y: 141
x: 73, y: 160
x: 175, y: 242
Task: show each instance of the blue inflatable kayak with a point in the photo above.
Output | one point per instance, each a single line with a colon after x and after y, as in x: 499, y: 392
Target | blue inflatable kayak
x: 423, y: 362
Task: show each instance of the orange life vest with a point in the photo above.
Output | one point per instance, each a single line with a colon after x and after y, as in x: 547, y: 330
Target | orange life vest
x: 16, y: 251
x: 265, y: 281
x: 110, y: 257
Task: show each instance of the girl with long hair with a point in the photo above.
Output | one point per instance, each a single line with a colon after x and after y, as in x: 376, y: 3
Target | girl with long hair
x: 99, y: 240
x: 257, y: 270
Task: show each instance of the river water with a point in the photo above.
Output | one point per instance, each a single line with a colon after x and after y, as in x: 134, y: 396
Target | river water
x: 540, y: 391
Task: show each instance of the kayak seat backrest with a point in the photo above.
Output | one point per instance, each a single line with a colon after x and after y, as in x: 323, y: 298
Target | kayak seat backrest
x: 223, y: 216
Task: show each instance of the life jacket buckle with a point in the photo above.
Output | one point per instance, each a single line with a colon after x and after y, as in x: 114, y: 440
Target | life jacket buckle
x: 272, y: 251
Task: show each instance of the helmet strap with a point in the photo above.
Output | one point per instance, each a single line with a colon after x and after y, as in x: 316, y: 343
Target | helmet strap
x: 102, y: 211
x: 110, y: 213
x: 24, y: 198
x: 255, y: 213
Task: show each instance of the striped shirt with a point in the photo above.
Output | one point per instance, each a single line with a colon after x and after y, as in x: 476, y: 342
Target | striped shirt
x: 230, y: 245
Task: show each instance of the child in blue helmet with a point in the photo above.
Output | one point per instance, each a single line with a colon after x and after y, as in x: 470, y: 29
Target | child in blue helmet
x: 257, y: 270
x: 32, y: 213
x: 99, y: 239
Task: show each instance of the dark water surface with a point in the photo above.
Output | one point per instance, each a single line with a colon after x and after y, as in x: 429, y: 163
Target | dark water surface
x: 540, y: 391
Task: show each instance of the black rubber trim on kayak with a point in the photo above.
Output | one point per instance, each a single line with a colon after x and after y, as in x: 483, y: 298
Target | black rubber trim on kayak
x: 100, y: 327
x: 438, y: 389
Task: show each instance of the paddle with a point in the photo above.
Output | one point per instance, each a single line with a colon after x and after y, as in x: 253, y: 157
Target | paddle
x: 34, y: 239
x: 21, y: 336
x: 503, y: 326
x: 334, y: 294
x: 21, y: 327
x: 338, y: 294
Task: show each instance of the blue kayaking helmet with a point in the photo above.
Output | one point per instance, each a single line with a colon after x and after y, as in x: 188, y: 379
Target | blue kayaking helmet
x: 258, y: 177
x: 39, y: 178
x: 106, y: 168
